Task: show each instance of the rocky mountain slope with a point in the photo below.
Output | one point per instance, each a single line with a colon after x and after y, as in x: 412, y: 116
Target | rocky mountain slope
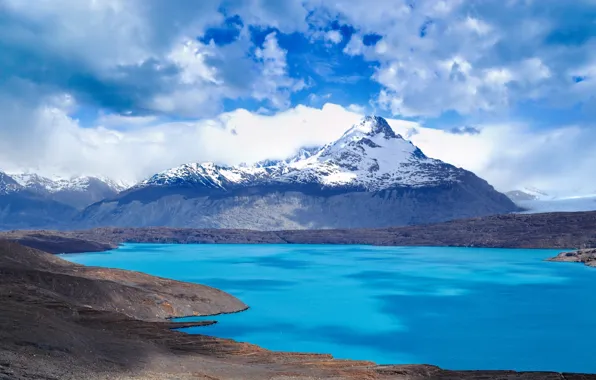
x: 33, y: 201
x: 369, y: 177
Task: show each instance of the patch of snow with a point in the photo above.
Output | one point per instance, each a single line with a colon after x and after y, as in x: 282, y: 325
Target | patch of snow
x: 537, y: 193
x: 56, y: 184
x: 8, y: 185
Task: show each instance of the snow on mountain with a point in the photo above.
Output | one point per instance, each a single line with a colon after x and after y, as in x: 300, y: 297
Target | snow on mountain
x: 528, y: 194
x: 533, y: 200
x: 537, y: 193
x: 303, y: 154
x: 21, y: 208
x: 370, y: 155
x: 369, y: 177
x: 558, y: 204
x: 77, y: 192
x: 36, y: 182
x: 208, y: 175
x: 8, y: 184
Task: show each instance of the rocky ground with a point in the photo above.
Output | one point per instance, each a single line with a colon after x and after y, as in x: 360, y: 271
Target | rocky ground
x: 552, y: 230
x: 60, y: 320
x: 586, y: 256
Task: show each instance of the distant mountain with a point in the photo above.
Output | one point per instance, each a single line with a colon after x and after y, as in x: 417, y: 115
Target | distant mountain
x: 369, y: 177
x: 534, y: 201
x: 527, y: 194
x: 33, y: 201
x: 520, y: 196
x: 77, y: 192
x: 22, y: 208
x: 8, y: 185
x: 585, y: 202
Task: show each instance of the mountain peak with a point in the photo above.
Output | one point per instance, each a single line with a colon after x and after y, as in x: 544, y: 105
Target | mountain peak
x: 373, y: 126
x: 370, y: 155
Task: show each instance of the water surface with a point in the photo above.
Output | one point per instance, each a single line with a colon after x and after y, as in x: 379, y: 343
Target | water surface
x: 459, y: 308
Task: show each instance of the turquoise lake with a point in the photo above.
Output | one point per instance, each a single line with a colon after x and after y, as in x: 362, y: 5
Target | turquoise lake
x: 458, y: 308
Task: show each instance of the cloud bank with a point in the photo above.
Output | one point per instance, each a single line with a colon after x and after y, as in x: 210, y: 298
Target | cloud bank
x: 124, y: 88
x: 509, y: 156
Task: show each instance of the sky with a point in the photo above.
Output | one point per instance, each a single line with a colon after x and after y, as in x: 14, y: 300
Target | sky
x: 126, y: 88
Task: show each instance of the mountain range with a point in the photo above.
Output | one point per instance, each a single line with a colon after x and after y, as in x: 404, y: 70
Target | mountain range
x: 369, y: 177
x: 30, y: 200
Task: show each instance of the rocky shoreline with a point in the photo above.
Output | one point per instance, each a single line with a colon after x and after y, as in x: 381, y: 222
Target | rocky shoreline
x: 571, y: 230
x: 60, y: 320
x: 586, y: 256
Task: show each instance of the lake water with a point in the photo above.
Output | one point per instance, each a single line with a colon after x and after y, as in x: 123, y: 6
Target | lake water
x: 459, y: 308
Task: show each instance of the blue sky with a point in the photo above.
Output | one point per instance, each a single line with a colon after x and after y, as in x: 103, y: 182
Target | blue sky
x: 95, y: 73
x: 440, y: 62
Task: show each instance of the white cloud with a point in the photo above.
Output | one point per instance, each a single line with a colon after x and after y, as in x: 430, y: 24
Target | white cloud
x: 468, y: 57
x: 329, y: 37
x: 274, y: 84
x: 62, y: 147
x: 357, y: 109
x: 334, y: 36
x: 97, y: 32
x: 115, y: 121
x: 508, y: 155
x: 144, y: 56
x: 354, y: 46
x: 124, y: 48
x: 190, y: 56
x: 116, y: 56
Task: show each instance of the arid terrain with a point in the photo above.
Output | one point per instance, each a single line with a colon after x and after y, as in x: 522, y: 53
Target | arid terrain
x: 60, y: 320
x: 572, y: 230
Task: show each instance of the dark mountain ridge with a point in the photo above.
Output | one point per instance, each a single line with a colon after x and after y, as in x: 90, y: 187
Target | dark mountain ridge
x: 571, y: 230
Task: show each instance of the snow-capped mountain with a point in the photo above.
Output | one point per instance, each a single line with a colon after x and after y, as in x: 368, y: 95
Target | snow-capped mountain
x: 8, y: 184
x: 369, y: 156
x: 559, y: 204
x: 53, y: 185
x: 369, y: 177
x: 77, y: 192
x: 28, y: 200
x: 533, y: 201
x: 22, y: 208
x: 528, y: 194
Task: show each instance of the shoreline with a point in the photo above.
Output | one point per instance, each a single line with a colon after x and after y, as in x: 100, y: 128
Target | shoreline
x: 170, y: 319
x: 107, y: 326
x: 565, y: 231
x: 585, y: 256
x: 77, y: 242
